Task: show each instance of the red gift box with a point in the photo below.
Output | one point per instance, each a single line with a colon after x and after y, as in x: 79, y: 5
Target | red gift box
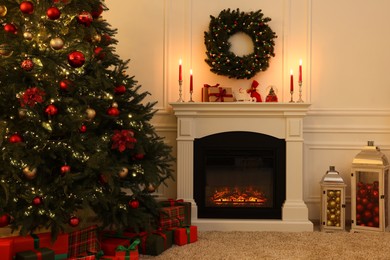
x: 220, y: 94
x: 130, y: 252
x: 109, y: 245
x: 186, y: 235
x: 6, y: 245
x: 83, y: 241
x: 59, y: 246
x: 171, y: 217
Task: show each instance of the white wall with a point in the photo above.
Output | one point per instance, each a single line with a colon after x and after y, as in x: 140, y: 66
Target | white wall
x: 345, y: 50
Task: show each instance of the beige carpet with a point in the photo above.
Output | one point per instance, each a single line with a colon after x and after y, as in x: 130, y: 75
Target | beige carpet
x: 280, y: 245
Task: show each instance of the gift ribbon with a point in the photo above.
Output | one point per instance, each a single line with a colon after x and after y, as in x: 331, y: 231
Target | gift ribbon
x: 173, y: 202
x: 188, y: 235
x: 38, y: 254
x: 221, y: 94
x: 36, y: 240
x: 127, y: 250
x: 161, y: 234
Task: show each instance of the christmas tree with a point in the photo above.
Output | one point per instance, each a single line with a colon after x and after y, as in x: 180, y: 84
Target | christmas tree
x: 75, y: 130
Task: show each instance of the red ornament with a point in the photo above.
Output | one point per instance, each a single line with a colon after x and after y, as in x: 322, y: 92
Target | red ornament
x: 51, y: 110
x: 134, y: 204
x: 375, y: 195
x: 15, y: 138
x: 32, y: 96
x: 5, y: 219
x: 99, y: 54
x: 53, y: 13
x: 26, y: 7
x: 65, y: 84
x: 120, y: 89
x: 76, y: 59
x: 123, y: 140
x: 113, y: 111
x: 83, y: 129
x: 74, y: 221
x: 65, y: 169
x: 37, y: 201
x: 27, y: 65
x: 96, y: 13
x: 106, y: 39
x: 139, y: 156
x: 85, y: 18
x: 10, y: 28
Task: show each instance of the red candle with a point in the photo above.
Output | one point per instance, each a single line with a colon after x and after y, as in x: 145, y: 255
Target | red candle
x: 291, y: 81
x: 180, y: 75
x: 191, y: 82
x: 300, y: 70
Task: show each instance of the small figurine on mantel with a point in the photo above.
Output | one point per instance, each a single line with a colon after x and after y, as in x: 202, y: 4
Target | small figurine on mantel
x: 253, y: 91
x: 271, y: 97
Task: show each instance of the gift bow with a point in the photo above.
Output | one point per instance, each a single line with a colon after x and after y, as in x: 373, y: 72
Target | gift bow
x: 221, y: 94
x: 131, y: 247
x: 253, y: 91
x: 173, y: 202
x: 208, y: 86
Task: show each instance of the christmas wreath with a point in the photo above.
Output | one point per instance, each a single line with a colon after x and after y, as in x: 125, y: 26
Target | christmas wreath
x: 224, y: 62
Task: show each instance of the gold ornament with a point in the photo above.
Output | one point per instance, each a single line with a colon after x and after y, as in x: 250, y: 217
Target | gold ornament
x: 22, y: 112
x: 56, y: 43
x: 28, y: 36
x: 3, y: 10
x: 96, y: 38
x: 91, y: 113
x: 47, y: 126
x: 114, y: 104
x: 30, y: 174
x: 151, y: 188
x: 5, y: 50
x: 123, y: 172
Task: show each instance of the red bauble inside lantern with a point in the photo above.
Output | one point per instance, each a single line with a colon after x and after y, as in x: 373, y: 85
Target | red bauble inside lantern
x: 85, y: 18
x: 26, y: 7
x: 76, y: 59
x: 74, y: 221
x: 5, y: 219
x: 120, y: 89
x: 53, y: 13
x: 15, y: 138
x: 10, y: 28
x: 37, y: 201
x: 51, y: 110
x: 113, y: 111
x: 134, y: 204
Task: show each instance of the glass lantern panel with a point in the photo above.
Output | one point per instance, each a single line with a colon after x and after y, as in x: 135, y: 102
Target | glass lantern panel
x: 367, y: 199
x: 333, y: 209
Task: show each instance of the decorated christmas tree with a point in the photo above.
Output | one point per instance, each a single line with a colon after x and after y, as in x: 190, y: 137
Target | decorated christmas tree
x: 76, y: 138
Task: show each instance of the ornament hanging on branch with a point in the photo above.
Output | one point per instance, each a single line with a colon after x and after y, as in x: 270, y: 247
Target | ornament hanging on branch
x: 5, y: 50
x: 123, y: 139
x: 65, y: 169
x: 37, y: 201
x: 113, y: 111
x: 57, y: 43
x: 15, y: 138
x: 65, y: 84
x: 134, y: 204
x: 123, y: 172
x: 28, y: 36
x: 90, y: 113
x: 83, y: 129
x: 32, y: 96
x: 27, y: 65
x: 76, y: 59
x: 74, y: 221
x: 5, y: 220
x: 53, y: 13
x: 51, y: 110
x: 10, y: 28
x: 3, y: 10
x: 26, y: 7
x: 85, y: 18
x: 30, y: 173
x: 121, y: 89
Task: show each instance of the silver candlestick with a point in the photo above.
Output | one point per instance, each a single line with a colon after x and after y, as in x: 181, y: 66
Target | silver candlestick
x: 300, y: 92
x: 191, y: 97
x: 180, y: 91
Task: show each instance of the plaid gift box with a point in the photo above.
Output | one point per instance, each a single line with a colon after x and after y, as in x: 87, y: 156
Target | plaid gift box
x: 84, y: 256
x: 171, y: 217
x: 83, y: 241
x: 36, y: 254
x: 186, y: 235
x: 180, y: 202
x: 221, y: 95
x: 6, y: 245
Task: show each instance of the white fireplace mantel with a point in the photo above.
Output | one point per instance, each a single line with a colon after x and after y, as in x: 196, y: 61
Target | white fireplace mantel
x: 281, y: 120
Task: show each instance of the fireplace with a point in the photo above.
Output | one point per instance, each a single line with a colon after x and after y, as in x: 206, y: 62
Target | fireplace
x: 239, y: 175
x: 278, y: 208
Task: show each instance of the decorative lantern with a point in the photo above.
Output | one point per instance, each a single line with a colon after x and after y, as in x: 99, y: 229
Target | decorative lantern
x: 332, y: 201
x: 369, y: 189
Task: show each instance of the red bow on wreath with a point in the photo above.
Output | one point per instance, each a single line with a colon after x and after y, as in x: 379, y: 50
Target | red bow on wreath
x: 123, y: 139
x: 253, y: 91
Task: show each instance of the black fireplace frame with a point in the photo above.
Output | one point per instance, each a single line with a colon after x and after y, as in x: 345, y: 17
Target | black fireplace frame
x: 246, y: 143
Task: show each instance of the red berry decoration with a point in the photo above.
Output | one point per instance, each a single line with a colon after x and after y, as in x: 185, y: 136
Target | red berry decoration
x: 53, y: 13
x: 74, y: 221
x: 113, y: 111
x: 37, y: 201
x: 5, y: 220
x: 76, y: 59
x: 134, y: 204
x: 120, y: 89
x: 83, y: 129
x: 65, y: 169
x: 85, y: 18
x: 51, y: 110
x: 15, y: 138
x: 26, y: 7
x: 27, y: 65
x: 10, y: 28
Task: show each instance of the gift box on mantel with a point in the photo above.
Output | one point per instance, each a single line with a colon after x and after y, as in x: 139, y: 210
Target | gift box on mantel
x: 36, y: 254
x: 220, y: 94
x: 187, y: 208
x: 186, y: 235
x: 171, y: 217
x: 205, y: 91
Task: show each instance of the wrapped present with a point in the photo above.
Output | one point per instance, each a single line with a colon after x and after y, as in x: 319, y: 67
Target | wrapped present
x: 6, y: 245
x: 186, y: 235
x: 205, y: 92
x: 109, y: 245
x: 180, y: 202
x: 83, y: 241
x: 34, y: 241
x: 253, y: 91
x: 171, y: 217
x: 36, y: 254
x: 156, y: 242
x: 220, y: 94
x: 130, y: 252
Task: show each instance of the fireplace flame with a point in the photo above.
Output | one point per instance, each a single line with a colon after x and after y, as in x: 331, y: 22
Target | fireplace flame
x: 237, y: 196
